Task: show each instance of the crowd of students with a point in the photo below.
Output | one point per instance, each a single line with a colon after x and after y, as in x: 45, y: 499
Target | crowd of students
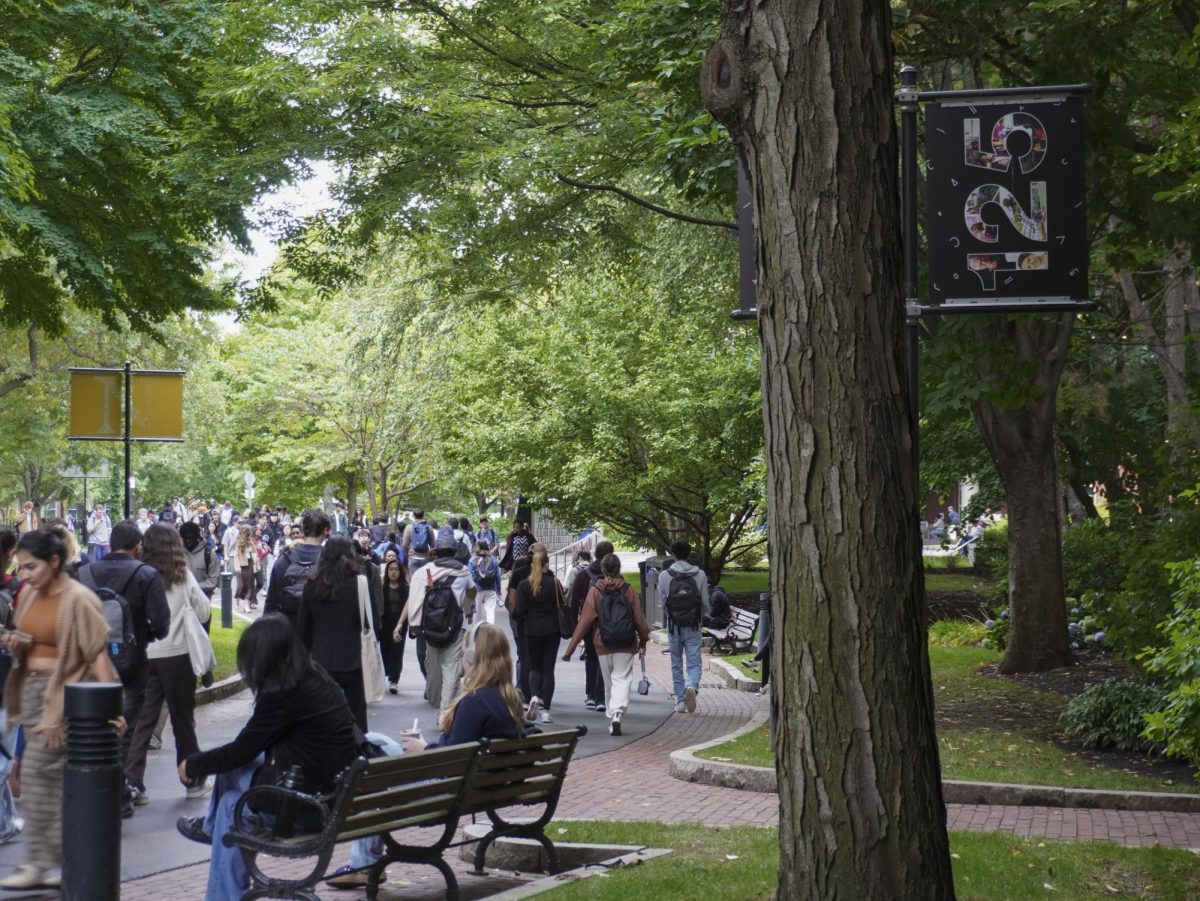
x: 322, y: 580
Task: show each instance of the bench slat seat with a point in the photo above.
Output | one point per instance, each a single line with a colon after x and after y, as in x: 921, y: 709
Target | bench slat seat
x: 739, y: 634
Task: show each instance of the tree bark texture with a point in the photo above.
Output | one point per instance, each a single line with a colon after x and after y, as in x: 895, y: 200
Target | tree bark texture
x: 1022, y: 443
x: 805, y: 89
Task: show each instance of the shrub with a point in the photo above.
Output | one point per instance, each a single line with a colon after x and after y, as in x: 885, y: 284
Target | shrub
x: 991, y: 555
x: 1112, y: 715
x: 749, y: 558
x: 1177, y: 724
x: 1092, y: 553
x: 957, y: 633
x: 997, y: 631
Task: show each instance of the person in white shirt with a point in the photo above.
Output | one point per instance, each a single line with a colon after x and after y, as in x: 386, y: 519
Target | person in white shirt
x: 143, y: 520
x: 443, y: 661
x: 171, y: 676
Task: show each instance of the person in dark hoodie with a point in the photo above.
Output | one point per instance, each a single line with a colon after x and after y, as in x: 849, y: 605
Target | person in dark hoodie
x: 684, y: 607
x: 285, y: 592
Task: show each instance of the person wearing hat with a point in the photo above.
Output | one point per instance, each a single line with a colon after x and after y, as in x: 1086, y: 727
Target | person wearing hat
x: 438, y: 587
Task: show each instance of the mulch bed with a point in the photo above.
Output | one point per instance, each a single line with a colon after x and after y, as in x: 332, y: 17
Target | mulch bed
x: 1092, y: 666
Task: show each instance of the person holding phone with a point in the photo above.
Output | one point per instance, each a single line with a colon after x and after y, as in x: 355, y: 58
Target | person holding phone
x: 60, y: 636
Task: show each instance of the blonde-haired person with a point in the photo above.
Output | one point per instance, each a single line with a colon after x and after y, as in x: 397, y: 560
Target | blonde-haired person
x: 74, y: 558
x: 246, y: 564
x: 537, y: 602
x: 489, y: 707
x: 616, y: 661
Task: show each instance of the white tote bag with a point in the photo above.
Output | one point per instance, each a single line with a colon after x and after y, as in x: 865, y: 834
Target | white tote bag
x: 200, y: 648
x: 374, y: 679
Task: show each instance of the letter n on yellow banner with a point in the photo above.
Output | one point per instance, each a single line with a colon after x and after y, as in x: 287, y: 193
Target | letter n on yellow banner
x: 157, y: 406
x: 96, y: 404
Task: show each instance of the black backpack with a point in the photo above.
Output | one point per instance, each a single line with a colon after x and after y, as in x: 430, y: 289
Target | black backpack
x: 462, y: 553
x: 617, y: 625
x: 121, y: 637
x: 294, y: 579
x: 441, y: 615
x: 487, y: 574
x: 683, y: 600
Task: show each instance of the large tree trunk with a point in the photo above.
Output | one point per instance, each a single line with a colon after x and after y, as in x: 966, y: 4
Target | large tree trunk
x: 805, y: 90
x: 1021, y: 441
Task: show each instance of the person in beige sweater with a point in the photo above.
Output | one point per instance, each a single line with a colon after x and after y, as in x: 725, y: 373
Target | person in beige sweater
x: 60, y: 636
x: 616, y: 659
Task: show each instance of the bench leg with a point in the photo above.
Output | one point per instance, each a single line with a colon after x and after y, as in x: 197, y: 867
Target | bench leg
x: 451, y: 880
x: 265, y: 892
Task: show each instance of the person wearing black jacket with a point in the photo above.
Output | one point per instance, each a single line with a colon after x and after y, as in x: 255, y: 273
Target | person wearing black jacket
x: 300, y: 719
x: 122, y: 571
x: 593, y: 685
x: 538, y: 599
x: 285, y: 588
x: 330, y: 621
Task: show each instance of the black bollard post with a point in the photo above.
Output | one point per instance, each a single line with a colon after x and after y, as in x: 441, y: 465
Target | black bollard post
x: 92, y: 786
x: 226, y: 600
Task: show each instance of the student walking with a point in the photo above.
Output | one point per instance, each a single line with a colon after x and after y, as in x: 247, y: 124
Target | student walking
x: 538, y: 600
x: 613, y: 616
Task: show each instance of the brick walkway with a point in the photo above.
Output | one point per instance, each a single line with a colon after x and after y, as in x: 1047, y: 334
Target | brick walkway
x: 632, y: 784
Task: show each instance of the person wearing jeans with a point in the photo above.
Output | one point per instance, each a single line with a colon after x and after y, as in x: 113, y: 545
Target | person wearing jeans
x: 684, y: 638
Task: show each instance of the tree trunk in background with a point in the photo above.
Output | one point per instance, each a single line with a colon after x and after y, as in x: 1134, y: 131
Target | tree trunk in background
x: 1022, y: 443
x: 805, y: 88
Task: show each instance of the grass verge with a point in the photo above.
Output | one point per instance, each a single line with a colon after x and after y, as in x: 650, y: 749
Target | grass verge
x: 989, y: 730
x: 745, y: 662
x: 224, y: 642
x: 952, y: 581
x: 734, y: 864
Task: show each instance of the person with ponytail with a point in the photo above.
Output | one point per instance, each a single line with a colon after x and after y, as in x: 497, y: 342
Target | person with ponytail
x: 538, y: 600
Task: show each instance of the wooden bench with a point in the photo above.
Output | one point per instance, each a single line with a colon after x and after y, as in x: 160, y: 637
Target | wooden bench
x: 739, y: 635
x: 431, y: 789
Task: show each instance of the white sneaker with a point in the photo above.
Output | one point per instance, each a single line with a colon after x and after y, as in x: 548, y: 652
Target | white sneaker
x: 200, y: 791
x: 534, y: 708
x: 546, y: 718
x: 393, y: 688
x: 26, y: 876
x: 689, y: 699
x: 679, y: 708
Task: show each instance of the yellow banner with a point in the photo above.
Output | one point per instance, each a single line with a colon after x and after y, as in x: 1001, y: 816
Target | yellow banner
x: 157, y: 405
x: 96, y: 405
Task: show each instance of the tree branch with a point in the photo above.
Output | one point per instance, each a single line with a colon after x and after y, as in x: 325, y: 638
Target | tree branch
x: 653, y: 207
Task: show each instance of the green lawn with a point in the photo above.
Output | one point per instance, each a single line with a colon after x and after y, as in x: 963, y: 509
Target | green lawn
x: 224, y: 642
x: 743, y: 662
x: 952, y: 581
x: 735, y: 864
x: 989, y: 730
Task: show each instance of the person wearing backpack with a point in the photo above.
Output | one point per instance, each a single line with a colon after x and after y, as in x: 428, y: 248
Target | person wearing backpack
x: 593, y: 682
x: 612, y: 615
x: 285, y: 591
x: 683, y: 591
x: 124, y: 574
x: 417, y: 542
x: 485, y: 573
x: 69, y: 643
x: 441, y: 603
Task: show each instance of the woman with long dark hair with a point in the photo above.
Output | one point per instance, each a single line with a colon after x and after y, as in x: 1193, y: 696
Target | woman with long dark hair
x: 171, y: 675
x: 393, y: 601
x: 330, y: 622
x: 300, y: 719
x: 538, y: 600
x: 246, y: 564
x: 61, y: 637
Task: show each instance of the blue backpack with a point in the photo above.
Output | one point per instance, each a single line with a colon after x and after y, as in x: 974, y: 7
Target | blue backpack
x: 420, y: 536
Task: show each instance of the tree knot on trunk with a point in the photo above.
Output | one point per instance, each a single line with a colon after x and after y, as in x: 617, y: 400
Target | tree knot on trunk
x: 724, y: 84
